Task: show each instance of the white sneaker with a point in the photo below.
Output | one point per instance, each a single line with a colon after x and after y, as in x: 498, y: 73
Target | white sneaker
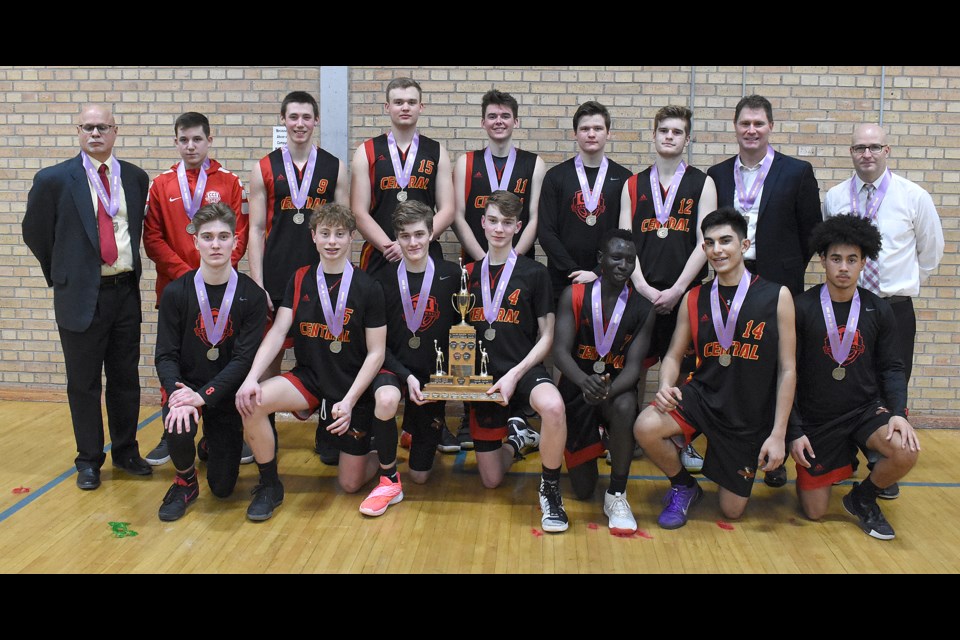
x: 691, y: 460
x: 617, y: 509
x: 526, y: 438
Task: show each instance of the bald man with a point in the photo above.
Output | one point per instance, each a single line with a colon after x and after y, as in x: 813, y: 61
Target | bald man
x: 910, y: 230
x: 83, y: 223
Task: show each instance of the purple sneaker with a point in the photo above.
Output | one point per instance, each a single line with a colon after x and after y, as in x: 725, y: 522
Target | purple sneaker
x: 678, y: 501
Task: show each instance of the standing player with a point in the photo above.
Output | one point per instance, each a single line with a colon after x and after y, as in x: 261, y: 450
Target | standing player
x: 514, y: 319
x: 339, y: 342
x: 664, y: 206
x: 211, y: 321
x: 603, y: 331
x: 851, y: 391
x: 742, y: 389
x: 580, y: 201
x: 169, y: 233
x: 420, y: 292
x: 286, y: 185
x: 400, y: 164
x: 499, y: 166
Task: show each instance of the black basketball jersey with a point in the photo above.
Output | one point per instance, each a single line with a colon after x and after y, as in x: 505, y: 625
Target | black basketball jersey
x: 662, y: 259
x: 477, y: 190
x: 289, y: 245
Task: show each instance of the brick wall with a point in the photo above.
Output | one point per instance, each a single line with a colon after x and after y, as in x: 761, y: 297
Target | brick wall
x: 815, y: 109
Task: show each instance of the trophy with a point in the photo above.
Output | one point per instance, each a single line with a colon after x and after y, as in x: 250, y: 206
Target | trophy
x: 461, y: 382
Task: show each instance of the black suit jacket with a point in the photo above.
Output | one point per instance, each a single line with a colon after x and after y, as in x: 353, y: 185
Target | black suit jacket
x: 60, y: 228
x: 789, y: 210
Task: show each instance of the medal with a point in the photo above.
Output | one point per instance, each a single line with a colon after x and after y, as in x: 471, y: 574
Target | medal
x: 603, y: 336
x: 504, y: 181
x: 591, y: 220
x: 661, y: 207
x: 336, y: 346
x: 725, y: 359
x: 298, y: 190
x: 744, y: 200
x: 662, y: 232
x: 191, y: 202
x: 725, y: 330
x: 591, y: 198
x: 413, y: 315
x: 402, y: 196
x: 491, y: 304
x: 839, y: 373
x: 414, y: 342
x: 403, y: 172
x: 599, y: 366
x: 213, y: 353
x: 490, y: 334
x: 298, y: 218
x: 840, y: 347
x: 214, y: 330
x: 111, y: 203
x: 191, y: 228
x: 334, y: 317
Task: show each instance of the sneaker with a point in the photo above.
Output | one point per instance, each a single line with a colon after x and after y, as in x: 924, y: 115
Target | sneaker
x: 691, y: 460
x: 464, y: 437
x: 246, y: 454
x: 524, y: 438
x: 448, y: 441
x: 159, y: 455
x: 617, y: 509
x: 405, y: 439
x: 678, y: 502
x: 554, y: 518
x: 776, y: 478
x: 890, y: 493
x: 202, y: 451
x: 868, y: 513
x: 329, y: 453
x: 385, y: 494
x: 180, y: 495
x: 266, y: 498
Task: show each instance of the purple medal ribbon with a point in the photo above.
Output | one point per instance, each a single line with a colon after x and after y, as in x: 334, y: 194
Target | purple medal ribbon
x: 591, y: 198
x: 414, y: 317
x: 662, y: 207
x: 725, y: 329
x: 214, y: 331
x: 298, y: 190
x: 191, y: 204
x: 491, y: 307
x: 745, y: 199
x: 502, y: 184
x: 334, y: 318
x: 403, y: 172
x: 874, y: 204
x: 840, y: 348
x: 604, y: 339
x: 111, y: 204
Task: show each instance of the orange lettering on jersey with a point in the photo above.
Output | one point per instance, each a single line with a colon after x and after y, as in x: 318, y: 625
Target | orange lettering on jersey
x: 322, y: 185
x: 287, y: 203
x: 310, y: 329
x: 480, y: 202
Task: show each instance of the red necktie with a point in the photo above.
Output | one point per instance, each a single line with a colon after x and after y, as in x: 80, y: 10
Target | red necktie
x: 108, y: 241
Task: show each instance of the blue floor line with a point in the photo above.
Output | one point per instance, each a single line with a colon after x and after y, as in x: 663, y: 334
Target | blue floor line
x: 33, y: 495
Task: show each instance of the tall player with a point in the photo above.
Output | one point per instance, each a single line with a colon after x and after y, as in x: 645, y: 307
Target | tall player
x: 741, y: 391
x: 169, y: 233
x: 852, y: 391
x: 664, y: 206
x: 286, y: 186
x: 399, y: 165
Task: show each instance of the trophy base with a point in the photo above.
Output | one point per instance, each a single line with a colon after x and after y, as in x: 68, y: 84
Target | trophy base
x: 467, y: 389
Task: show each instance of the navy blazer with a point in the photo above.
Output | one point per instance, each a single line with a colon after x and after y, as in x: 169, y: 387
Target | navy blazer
x: 60, y: 228
x: 789, y: 210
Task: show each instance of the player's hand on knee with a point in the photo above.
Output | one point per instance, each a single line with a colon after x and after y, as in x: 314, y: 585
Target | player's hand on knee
x: 667, y: 399
x: 798, y: 448
x: 341, y: 413
x: 908, y: 435
x: 248, y: 398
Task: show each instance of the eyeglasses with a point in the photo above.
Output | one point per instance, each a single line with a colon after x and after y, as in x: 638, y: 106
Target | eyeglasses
x: 102, y: 128
x: 860, y: 149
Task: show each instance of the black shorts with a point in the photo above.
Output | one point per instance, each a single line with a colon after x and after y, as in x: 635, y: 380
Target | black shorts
x: 835, y: 445
x: 586, y: 431
x: 422, y: 422
x: 488, y: 420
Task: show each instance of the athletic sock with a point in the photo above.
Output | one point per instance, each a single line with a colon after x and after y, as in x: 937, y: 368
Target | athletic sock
x: 268, y: 472
x: 682, y: 479
x: 550, y: 475
x: 390, y: 473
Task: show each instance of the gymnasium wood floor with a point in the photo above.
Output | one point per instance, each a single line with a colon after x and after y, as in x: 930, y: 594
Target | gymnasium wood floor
x: 450, y: 525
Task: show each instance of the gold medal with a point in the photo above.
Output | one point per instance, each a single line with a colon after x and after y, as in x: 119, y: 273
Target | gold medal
x: 336, y: 346
x: 591, y: 220
x: 402, y: 196
x: 599, y: 366
x: 191, y: 228
x: 213, y: 353
x: 725, y: 359
x: 662, y: 232
x: 414, y: 342
x: 839, y: 373
x: 298, y: 218
x: 490, y: 334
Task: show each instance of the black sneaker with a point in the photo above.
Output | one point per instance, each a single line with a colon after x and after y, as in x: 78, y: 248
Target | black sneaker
x: 448, y: 442
x: 159, y: 455
x: 890, y: 493
x: 180, y: 495
x: 329, y: 453
x: 868, y: 513
x: 266, y: 498
x: 776, y: 478
x: 463, y: 435
x: 554, y: 518
x: 202, y: 452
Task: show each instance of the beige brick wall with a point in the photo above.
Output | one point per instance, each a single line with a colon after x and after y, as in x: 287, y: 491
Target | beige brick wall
x: 815, y: 109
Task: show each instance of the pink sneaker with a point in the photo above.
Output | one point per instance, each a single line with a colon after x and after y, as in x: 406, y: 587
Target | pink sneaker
x: 385, y: 494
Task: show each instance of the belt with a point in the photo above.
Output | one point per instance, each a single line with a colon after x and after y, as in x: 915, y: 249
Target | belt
x: 116, y: 280
x: 896, y: 299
